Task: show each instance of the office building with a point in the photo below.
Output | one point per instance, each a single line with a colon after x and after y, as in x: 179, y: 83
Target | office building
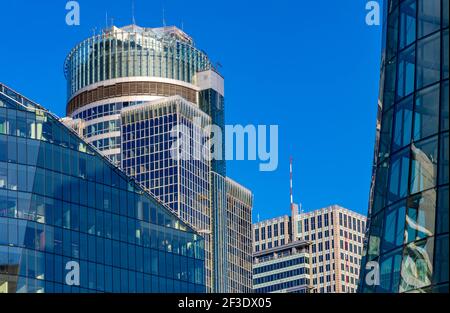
x: 177, y: 174
x: 336, y: 239
x: 111, y: 74
x: 70, y: 221
x: 406, y: 246
x: 239, y: 237
x: 282, y: 269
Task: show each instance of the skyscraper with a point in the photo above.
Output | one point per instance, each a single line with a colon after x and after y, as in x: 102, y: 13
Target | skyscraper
x: 64, y: 207
x: 122, y: 71
x: 406, y: 246
x: 239, y: 237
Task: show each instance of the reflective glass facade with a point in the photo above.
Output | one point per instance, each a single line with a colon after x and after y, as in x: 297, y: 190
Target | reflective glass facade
x: 178, y: 175
x: 62, y: 202
x: 408, y: 226
x: 133, y: 51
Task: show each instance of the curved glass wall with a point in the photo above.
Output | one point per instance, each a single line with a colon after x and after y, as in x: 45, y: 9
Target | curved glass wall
x: 408, y: 234
x: 133, y: 51
x: 61, y: 202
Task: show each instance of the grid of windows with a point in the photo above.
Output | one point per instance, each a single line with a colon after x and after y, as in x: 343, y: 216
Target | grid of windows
x: 60, y: 201
x: 408, y: 233
x: 131, y: 52
x: 176, y: 175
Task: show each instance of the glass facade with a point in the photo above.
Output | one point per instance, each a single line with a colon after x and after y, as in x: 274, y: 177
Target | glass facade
x: 165, y: 147
x: 239, y: 238
x: 408, y: 228
x: 133, y: 51
x: 62, y: 202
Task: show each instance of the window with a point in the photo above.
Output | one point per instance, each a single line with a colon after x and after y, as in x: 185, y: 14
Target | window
x: 398, y: 177
x: 428, y: 65
x: 424, y: 165
x: 444, y: 107
x: 429, y: 16
x: 256, y: 234
x: 407, y: 23
x: 442, y: 211
x: 403, y: 124
x: 419, y: 271
x: 394, y: 227
x: 406, y: 68
x: 275, y: 230
x: 421, y: 216
x: 443, y: 160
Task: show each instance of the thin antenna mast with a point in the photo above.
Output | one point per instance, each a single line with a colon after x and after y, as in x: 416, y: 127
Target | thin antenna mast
x: 132, y: 12
x: 290, y: 183
x: 164, y: 16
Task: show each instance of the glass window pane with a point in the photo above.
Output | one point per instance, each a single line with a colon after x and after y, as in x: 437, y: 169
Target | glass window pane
x: 421, y: 216
x: 417, y: 266
x: 429, y: 15
x: 394, y: 227
x: 398, y: 178
x: 406, y: 68
x: 428, y: 65
x: 426, y: 113
x: 403, y: 124
x: 445, y: 53
x: 443, y: 160
x: 442, y: 211
x: 407, y: 23
x: 444, y: 106
x: 445, y: 10
x: 424, y: 165
x: 441, y: 265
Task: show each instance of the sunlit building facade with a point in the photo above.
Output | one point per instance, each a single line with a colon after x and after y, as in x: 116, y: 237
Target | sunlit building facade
x: 165, y: 147
x: 283, y: 269
x: 407, y: 238
x: 336, y: 237
x: 239, y: 237
x: 62, y: 203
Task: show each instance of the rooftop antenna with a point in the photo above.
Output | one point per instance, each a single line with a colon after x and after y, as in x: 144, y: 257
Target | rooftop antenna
x: 290, y: 183
x: 132, y: 12
x: 106, y: 19
x: 182, y: 25
x: 164, y: 16
x: 294, y: 207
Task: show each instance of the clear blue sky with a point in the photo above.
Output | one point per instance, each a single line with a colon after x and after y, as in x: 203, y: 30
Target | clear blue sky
x: 312, y: 67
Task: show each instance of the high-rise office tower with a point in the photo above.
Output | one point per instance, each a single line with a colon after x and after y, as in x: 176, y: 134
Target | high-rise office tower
x: 175, y: 169
x: 336, y: 238
x: 239, y: 237
x: 111, y: 74
x: 407, y: 240
x: 71, y: 221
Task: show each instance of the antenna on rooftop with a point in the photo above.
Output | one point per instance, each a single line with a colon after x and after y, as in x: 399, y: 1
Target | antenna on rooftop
x: 132, y: 12
x: 164, y: 16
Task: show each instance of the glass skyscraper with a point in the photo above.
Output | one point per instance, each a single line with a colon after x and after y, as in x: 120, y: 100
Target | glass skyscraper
x: 62, y: 203
x: 407, y: 235
x: 112, y: 75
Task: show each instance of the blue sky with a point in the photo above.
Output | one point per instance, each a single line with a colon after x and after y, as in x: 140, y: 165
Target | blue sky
x: 311, y: 67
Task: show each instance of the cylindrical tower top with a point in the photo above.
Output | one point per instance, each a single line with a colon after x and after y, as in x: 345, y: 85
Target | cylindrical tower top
x: 133, y: 51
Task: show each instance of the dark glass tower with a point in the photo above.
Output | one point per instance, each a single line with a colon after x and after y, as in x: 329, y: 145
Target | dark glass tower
x: 408, y: 227
x: 62, y: 203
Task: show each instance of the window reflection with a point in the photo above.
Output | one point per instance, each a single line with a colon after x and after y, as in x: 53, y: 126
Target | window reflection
x: 424, y: 165
x: 420, y: 217
x: 417, y: 265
